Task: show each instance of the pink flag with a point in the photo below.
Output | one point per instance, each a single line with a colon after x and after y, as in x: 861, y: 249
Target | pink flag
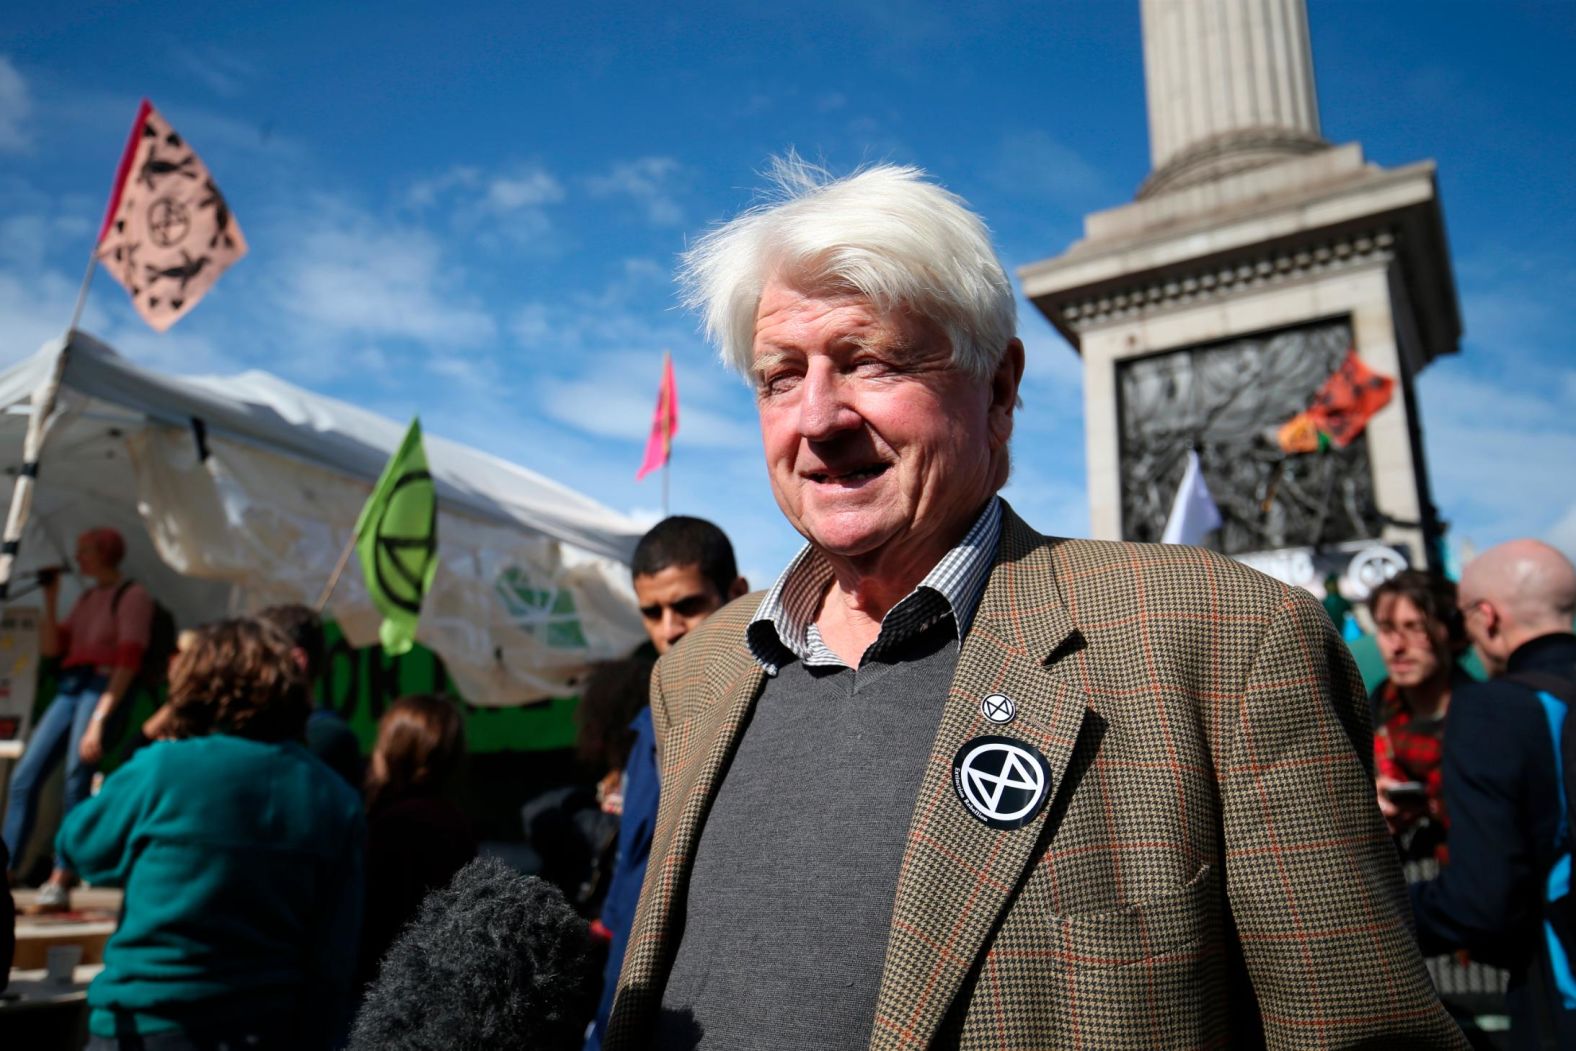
x: 168, y: 234
x: 664, y: 423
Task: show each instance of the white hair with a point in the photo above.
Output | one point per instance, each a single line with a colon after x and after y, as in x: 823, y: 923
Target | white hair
x: 884, y: 232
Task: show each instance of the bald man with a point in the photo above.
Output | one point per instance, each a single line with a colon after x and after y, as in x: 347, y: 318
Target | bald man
x: 1509, y: 851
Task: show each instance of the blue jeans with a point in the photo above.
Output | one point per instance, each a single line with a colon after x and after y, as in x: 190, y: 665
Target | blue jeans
x: 58, y: 732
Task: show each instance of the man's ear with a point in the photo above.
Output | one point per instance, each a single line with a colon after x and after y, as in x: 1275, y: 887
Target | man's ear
x: 1004, y: 392
x: 740, y: 588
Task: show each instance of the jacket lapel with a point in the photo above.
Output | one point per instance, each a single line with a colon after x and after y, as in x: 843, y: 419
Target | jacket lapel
x: 959, y: 873
x: 690, y: 781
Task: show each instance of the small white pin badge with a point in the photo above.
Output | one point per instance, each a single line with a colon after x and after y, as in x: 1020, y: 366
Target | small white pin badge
x: 998, y: 708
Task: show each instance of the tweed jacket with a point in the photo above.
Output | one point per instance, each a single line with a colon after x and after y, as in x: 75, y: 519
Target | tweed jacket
x: 1211, y: 869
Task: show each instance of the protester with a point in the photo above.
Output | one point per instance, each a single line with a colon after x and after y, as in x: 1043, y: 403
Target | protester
x: 1504, y: 896
x: 683, y: 572
x: 607, y: 717
x: 328, y: 736
x: 417, y: 837
x: 1420, y: 638
x: 241, y: 859
x: 865, y: 850
x: 101, y: 644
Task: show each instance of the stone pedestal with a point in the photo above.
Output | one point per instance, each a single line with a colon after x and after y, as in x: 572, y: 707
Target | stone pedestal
x: 1314, y: 246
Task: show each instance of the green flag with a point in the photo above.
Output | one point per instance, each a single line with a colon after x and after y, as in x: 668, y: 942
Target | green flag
x: 397, y: 539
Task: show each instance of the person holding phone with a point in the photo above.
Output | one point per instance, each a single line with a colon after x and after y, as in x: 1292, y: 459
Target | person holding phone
x: 1420, y: 638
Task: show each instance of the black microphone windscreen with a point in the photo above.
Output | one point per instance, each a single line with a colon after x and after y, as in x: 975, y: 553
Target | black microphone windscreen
x: 493, y: 960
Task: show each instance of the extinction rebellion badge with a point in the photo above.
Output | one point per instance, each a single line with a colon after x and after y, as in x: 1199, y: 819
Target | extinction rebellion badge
x: 1003, y: 782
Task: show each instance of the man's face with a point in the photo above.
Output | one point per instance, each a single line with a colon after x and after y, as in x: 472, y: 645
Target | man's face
x: 878, y: 448
x: 673, y: 602
x: 1414, y: 647
x: 88, y: 561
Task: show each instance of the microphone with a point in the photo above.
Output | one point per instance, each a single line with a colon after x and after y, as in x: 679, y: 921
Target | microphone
x: 493, y: 960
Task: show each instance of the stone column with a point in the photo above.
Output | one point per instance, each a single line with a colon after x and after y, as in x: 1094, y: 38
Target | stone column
x: 1230, y: 87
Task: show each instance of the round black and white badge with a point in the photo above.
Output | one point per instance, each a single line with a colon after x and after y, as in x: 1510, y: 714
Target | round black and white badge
x: 1000, y: 781
x: 998, y: 708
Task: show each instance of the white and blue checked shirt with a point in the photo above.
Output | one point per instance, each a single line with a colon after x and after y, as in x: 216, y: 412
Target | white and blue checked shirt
x: 784, y: 624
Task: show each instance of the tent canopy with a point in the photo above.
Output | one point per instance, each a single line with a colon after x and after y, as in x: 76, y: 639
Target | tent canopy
x: 235, y: 492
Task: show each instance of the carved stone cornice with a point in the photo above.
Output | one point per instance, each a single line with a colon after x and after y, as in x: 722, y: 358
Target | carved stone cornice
x: 1222, y: 278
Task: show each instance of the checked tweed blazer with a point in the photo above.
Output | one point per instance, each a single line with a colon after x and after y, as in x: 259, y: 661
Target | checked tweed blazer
x: 1211, y: 870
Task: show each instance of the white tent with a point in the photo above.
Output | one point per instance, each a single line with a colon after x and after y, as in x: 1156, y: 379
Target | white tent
x: 236, y: 492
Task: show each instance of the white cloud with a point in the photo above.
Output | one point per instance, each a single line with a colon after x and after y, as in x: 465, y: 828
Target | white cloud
x: 1034, y: 165
x: 493, y: 208
x: 616, y: 400
x: 352, y: 275
x: 648, y: 181
x: 35, y: 306
x: 216, y: 69
x: 473, y: 190
x: 16, y: 104
x: 1499, y: 452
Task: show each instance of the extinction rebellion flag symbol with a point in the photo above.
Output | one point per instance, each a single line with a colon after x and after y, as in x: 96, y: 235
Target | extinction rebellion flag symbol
x: 1001, y: 781
x: 397, y: 540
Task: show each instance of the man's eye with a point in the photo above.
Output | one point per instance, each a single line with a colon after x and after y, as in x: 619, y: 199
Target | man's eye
x: 779, y: 383
x: 651, y: 612
x: 870, y: 367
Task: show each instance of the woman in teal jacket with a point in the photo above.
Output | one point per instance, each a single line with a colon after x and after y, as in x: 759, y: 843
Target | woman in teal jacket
x: 241, y: 857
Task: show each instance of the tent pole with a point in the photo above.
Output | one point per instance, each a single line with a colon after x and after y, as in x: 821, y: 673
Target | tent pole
x: 43, y: 407
x: 339, y: 569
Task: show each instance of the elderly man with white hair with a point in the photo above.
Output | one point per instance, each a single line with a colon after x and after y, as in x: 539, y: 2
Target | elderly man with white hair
x: 1505, y: 894
x: 950, y: 782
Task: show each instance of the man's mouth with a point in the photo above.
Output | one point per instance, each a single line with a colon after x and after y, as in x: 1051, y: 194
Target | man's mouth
x: 849, y: 475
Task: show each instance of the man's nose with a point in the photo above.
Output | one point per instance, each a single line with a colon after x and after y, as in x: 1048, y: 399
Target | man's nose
x: 672, y: 626
x: 824, y: 406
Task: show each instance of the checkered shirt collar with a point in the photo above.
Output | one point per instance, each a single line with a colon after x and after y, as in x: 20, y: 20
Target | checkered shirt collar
x: 784, y: 622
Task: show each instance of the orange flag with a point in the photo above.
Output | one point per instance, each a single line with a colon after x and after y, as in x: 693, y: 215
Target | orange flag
x: 1341, y: 409
x: 168, y: 233
x: 664, y: 423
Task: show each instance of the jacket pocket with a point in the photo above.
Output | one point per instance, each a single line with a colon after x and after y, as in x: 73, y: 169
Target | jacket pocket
x: 1140, y: 930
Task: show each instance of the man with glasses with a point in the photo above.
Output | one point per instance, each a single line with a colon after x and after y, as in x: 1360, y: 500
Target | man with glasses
x: 1505, y: 894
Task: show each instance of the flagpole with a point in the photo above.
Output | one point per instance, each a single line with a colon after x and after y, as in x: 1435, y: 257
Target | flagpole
x: 82, y: 293
x: 43, y: 407
x: 339, y: 569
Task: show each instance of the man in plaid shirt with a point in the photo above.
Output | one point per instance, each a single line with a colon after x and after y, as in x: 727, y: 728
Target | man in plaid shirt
x: 1420, y: 636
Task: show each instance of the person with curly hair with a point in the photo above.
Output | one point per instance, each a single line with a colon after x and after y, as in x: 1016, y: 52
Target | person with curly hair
x: 241, y: 859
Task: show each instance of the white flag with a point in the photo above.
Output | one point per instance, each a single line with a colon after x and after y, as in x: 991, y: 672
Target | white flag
x: 1193, y: 513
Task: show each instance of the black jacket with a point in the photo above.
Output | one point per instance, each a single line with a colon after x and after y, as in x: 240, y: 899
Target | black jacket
x: 1503, y: 796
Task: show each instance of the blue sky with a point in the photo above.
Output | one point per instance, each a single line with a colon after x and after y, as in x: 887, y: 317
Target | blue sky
x: 472, y: 211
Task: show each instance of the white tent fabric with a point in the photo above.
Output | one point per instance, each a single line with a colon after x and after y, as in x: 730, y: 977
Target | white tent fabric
x: 236, y: 492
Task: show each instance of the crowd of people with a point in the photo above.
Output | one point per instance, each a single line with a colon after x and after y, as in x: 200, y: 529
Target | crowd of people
x: 946, y: 781
x: 265, y: 867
